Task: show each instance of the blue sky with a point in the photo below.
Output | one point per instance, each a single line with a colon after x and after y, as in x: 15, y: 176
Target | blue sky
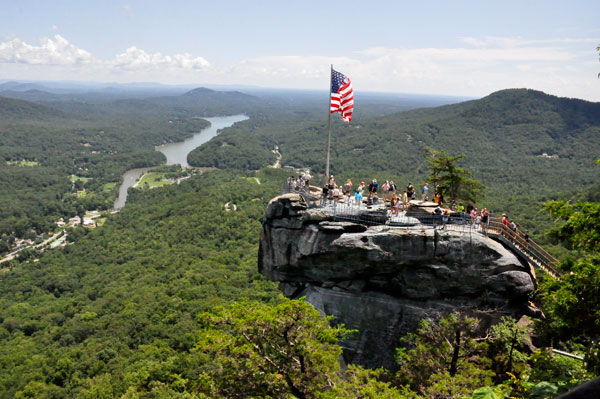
x: 461, y: 48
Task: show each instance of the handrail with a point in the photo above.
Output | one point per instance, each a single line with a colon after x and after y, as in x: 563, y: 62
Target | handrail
x: 382, y: 215
x: 309, y: 198
x: 528, y: 247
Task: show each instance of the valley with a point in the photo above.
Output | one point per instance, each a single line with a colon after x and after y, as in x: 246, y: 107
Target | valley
x: 134, y: 306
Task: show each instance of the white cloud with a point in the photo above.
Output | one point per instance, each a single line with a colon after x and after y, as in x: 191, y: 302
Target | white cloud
x: 134, y: 58
x: 564, y: 66
x: 497, y: 41
x: 55, y: 51
x: 58, y: 51
x: 558, y: 66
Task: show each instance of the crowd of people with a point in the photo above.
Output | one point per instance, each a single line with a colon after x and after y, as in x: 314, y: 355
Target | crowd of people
x: 397, y: 200
x: 368, y: 193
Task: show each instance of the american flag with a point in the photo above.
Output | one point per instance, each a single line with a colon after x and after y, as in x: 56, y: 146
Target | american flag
x: 342, y: 96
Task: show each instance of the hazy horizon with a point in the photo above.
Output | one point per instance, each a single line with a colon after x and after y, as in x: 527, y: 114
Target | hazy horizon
x: 465, y: 49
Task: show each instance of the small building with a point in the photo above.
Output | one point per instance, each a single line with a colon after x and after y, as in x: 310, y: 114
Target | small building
x: 75, y: 220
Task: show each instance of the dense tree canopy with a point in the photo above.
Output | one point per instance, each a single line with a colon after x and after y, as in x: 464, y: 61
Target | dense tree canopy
x: 115, y: 313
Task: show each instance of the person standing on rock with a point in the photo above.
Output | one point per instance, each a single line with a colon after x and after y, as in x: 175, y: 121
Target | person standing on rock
x: 473, y: 215
x: 405, y: 200
x: 437, y: 216
x: 386, y: 190
x: 445, y: 217
x: 336, y: 194
x: 485, y: 215
x: 348, y: 186
x: 349, y: 198
x: 373, y: 187
x: 410, y: 189
x: 307, y: 178
x: 325, y: 193
x: 425, y: 192
x: 392, y: 206
x: 358, y: 196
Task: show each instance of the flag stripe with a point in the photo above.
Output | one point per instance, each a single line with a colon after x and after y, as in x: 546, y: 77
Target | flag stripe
x: 342, y: 95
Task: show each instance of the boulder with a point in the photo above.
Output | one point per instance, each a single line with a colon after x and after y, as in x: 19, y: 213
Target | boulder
x: 382, y: 280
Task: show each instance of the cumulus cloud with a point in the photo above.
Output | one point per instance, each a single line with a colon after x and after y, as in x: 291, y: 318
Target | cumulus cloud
x: 135, y: 59
x: 478, y: 66
x: 289, y: 67
x: 58, y: 51
x: 51, y: 51
x: 498, y: 41
x: 482, y: 65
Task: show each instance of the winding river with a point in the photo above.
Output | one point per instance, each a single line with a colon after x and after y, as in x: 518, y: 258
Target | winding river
x: 177, y: 153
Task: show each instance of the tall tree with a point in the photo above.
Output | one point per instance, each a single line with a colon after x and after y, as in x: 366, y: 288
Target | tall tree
x: 288, y: 350
x: 573, y: 304
x: 455, y: 182
x: 255, y: 350
x: 446, y: 359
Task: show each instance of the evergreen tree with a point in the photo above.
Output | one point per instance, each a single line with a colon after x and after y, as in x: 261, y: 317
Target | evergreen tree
x: 455, y: 182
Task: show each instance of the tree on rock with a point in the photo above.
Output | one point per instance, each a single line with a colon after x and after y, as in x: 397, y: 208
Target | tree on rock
x: 456, y: 183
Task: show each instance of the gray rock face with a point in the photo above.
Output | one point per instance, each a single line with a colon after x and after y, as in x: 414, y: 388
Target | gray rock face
x: 383, y: 280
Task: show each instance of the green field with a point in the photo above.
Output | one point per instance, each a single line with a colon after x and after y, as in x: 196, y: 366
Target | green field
x: 83, y: 193
x: 153, y: 179
x: 23, y: 163
x: 109, y: 186
x: 79, y: 178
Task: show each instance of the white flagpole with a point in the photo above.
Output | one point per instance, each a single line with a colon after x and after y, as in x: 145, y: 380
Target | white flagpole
x: 328, y: 127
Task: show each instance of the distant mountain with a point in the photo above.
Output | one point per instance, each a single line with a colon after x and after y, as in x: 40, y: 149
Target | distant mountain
x: 203, y: 92
x: 207, y: 102
x: 15, y: 109
x: 516, y: 141
x: 20, y: 86
x: 31, y: 95
x: 129, y: 106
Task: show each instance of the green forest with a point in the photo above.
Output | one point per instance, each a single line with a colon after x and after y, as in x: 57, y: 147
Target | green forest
x: 164, y: 299
x: 96, y: 149
x: 504, y: 137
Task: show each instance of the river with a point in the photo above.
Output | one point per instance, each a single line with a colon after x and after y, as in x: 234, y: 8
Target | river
x: 177, y: 153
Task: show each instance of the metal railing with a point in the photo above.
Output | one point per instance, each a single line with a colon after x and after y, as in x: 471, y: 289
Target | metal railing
x: 528, y: 247
x: 382, y: 214
x: 311, y: 195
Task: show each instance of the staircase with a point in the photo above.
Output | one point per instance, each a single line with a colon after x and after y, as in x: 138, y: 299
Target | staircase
x: 527, y: 249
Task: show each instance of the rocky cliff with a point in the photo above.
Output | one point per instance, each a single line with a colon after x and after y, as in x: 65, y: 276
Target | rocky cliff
x: 383, y: 280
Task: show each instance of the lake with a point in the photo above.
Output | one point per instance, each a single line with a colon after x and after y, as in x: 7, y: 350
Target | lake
x: 177, y: 153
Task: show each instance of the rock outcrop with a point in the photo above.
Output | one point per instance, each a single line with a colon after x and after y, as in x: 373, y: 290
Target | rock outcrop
x: 383, y: 280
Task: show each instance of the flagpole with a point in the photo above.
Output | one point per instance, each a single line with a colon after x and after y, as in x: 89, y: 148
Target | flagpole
x: 328, y: 127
